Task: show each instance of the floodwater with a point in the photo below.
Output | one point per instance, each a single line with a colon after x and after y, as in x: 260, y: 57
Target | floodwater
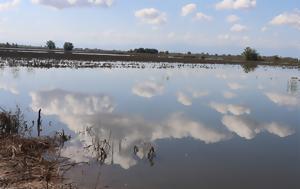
x: 211, y: 127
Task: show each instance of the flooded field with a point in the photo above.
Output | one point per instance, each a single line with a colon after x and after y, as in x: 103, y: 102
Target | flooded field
x: 141, y: 126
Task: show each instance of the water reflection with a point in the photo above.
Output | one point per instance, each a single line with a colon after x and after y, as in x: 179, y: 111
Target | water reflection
x: 9, y: 87
x: 184, y: 132
x: 79, y: 111
x: 235, y: 86
x: 148, y: 89
x: 184, y: 99
x: 229, y: 95
x: 284, y: 99
x: 96, y: 114
x: 293, y: 86
x: 248, y: 128
x: 230, y: 108
x: 249, y: 67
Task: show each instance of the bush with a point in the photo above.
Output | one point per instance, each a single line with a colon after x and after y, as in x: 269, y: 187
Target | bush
x: 148, y: 51
x: 250, y: 54
x: 68, y: 46
x: 50, y: 44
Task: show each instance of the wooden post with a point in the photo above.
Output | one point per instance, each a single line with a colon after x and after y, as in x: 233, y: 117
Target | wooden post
x: 39, y: 123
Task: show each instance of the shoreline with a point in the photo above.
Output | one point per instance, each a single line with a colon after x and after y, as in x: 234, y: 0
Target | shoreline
x: 142, y: 58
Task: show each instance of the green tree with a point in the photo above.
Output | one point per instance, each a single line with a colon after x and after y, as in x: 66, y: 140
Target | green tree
x: 50, y: 44
x: 68, y: 46
x: 250, y: 54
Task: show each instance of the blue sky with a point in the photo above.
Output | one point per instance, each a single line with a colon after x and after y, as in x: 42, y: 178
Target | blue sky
x: 214, y: 26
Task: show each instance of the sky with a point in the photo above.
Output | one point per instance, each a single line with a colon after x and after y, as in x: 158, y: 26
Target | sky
x: 214, y: 26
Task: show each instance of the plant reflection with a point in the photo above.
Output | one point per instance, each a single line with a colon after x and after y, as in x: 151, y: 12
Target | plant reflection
x: 249, y: 67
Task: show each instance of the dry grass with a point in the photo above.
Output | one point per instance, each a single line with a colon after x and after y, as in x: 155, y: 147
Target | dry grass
x: 28, y: 162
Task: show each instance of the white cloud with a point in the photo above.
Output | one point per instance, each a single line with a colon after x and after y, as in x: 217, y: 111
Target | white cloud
x: 247, y: 128
x: 283, y: 99
x: 229, y: 39
x: 287, y: 18
x: 232, y: 18
x: 236, y: 4
x: 230, y: 108
x: 229, y: 95
x: 238, y: 28
x: 148, y: 89
x: 8, y: 4
x: 184, y: 99
x: 264, y: 28
x: 151, y: 16
x: 188, y: 9
x: 224, y: 37
x: 61, y: 4
x: 202, y: 16
x: 235, y: 86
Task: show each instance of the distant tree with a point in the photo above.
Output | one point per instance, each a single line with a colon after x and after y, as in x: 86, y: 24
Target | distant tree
x: 13, y: 45
x: 250, y: 54
x: 148, y: 51
x: 276, y: 57
x: 51, y: 45
x: 68, y: 46
x: 189, y: 53
x: 166, y: 52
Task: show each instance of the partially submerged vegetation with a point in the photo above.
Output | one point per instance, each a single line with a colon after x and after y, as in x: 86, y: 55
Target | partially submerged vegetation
x: 26, y: 161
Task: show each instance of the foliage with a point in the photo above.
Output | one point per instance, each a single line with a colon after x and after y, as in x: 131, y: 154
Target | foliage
x: 250, y: 54
x: 145, y: 50
x: 8, y: 45
x: 50, y: 44
x: 68, y: 46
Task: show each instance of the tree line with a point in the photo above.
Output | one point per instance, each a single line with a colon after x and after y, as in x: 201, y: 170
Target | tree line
x: 144, y: 51
x: 68, y: 46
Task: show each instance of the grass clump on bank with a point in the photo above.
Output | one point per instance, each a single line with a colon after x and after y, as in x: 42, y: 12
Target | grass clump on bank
x: 26, y: 161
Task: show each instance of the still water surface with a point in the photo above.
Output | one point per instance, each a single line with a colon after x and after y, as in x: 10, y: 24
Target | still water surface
x: 210, y: 127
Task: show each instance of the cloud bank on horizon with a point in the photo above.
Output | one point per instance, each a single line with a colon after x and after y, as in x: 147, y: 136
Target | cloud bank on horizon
x: 224, y: 26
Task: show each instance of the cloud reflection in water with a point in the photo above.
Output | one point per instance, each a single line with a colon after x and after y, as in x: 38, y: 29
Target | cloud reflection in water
x: 79, y: 111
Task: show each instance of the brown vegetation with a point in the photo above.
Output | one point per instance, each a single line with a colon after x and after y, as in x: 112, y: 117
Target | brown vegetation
x: 29, y: 162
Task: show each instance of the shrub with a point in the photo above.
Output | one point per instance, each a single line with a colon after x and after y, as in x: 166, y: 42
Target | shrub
x: 68, y: 46
x: 50, y: 44
x: 148, y: 51
x: 250, y: 54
